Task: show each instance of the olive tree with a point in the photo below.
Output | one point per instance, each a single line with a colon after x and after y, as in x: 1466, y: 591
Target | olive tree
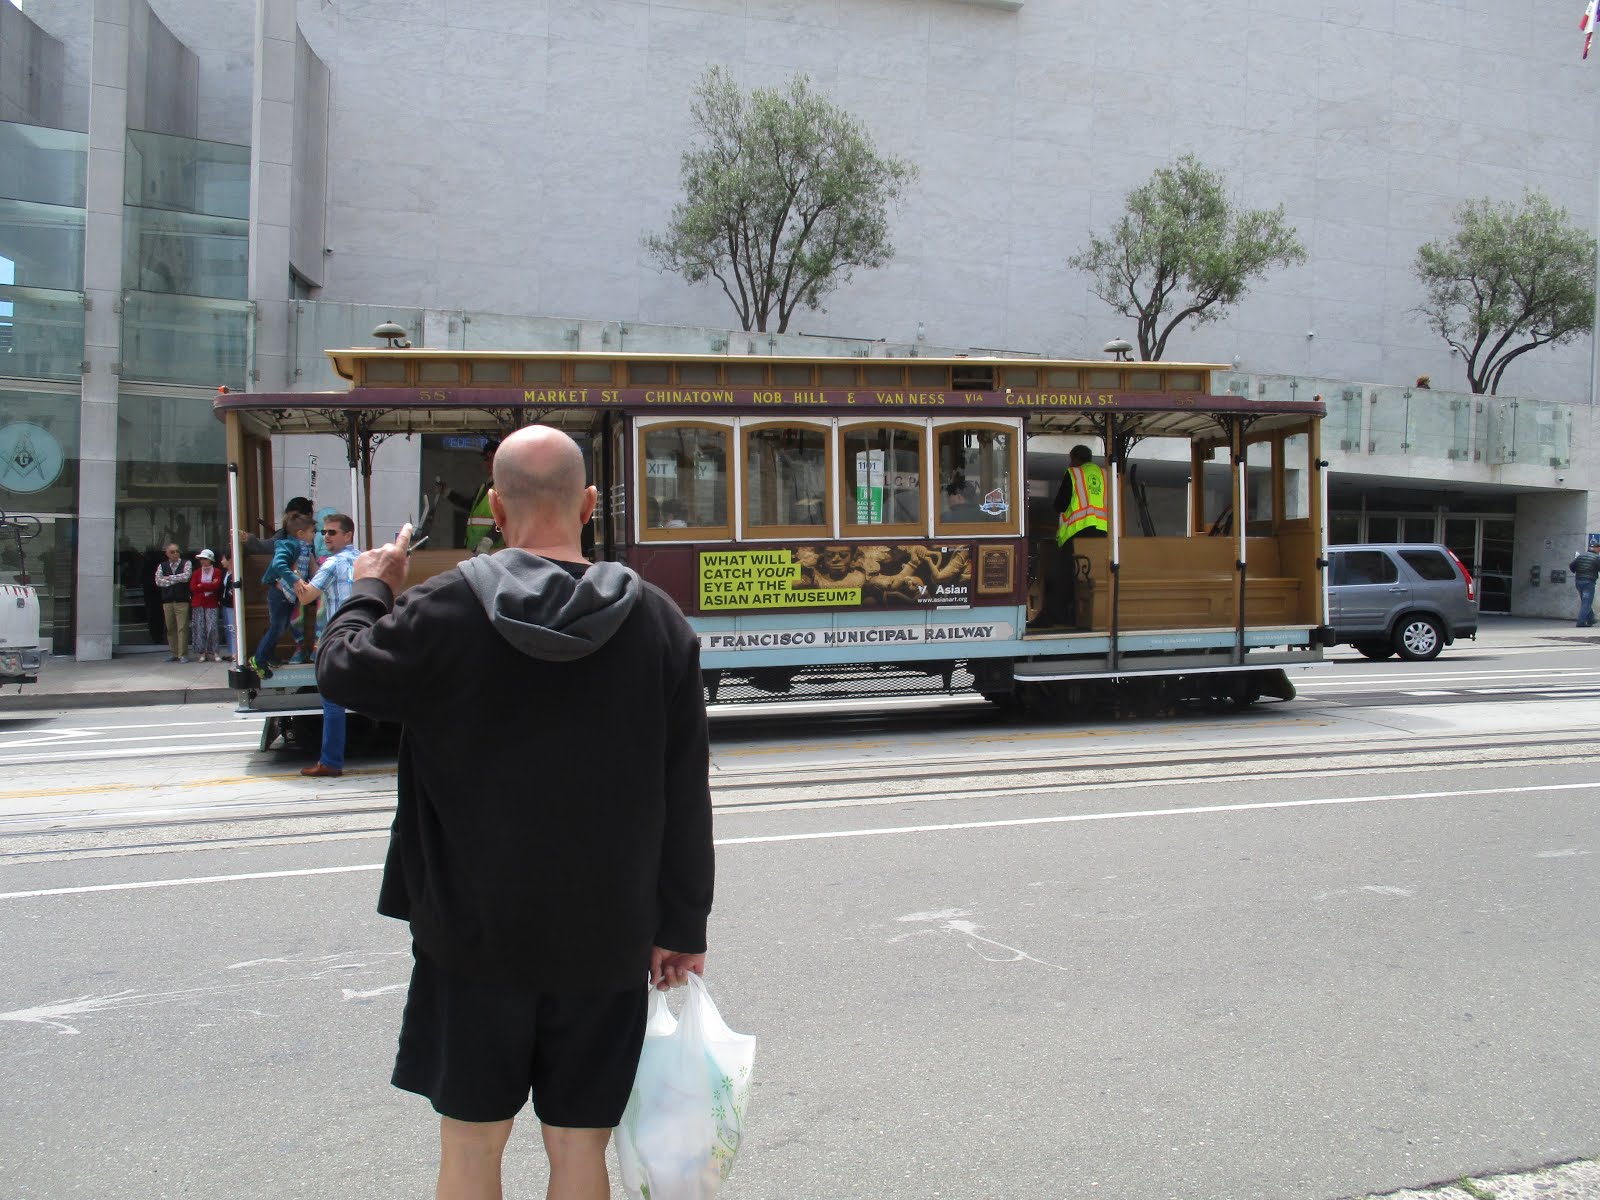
x: 784, y: 196
x: 1183, y: 252
x: 1509, y: 279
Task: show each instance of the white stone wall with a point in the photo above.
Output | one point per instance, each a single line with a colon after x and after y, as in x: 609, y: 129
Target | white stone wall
x: 509, y: 155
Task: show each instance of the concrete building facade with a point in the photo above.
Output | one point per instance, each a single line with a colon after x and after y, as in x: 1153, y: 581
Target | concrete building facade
x: 205, y: 193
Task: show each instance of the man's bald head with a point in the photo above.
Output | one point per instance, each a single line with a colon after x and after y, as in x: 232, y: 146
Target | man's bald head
x: 538, y: 474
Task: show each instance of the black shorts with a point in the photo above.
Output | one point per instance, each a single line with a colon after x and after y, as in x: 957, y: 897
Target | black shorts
x: 476, y: 1050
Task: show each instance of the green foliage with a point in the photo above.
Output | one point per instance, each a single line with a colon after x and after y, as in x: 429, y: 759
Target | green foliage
x: 1508, y: 280
x: 784, y: 195
x: 1182, y: 252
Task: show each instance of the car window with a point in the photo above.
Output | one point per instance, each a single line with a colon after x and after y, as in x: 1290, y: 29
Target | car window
x: 1363, y: 566
x: 1430, y: 564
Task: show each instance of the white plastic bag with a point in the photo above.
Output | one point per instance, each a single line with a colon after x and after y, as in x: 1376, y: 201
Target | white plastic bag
x: 685, y: 1115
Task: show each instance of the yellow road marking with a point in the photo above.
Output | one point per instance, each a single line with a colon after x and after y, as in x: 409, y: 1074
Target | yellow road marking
x: 103, y: 788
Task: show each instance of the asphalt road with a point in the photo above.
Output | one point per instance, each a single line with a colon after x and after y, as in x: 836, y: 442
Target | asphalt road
x: 1318, y: 949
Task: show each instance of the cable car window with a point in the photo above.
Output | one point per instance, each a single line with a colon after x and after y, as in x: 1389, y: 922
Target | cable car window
x: 883, y: 479
x: 745, y: 374
x: 830, y: 376
x: 790, y: 375
x: 590, y: 372
x: 685, y: 482
x: 647, y: 372
x: 697, y: 374
x: 541, y: 370
x: 785, y: 480
x: 972, y: 379
x: 878, y: 376
x: 936, y: 378
x: 976, y: 475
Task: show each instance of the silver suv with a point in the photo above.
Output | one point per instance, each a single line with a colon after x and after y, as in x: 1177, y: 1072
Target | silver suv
x: 1406, y: 599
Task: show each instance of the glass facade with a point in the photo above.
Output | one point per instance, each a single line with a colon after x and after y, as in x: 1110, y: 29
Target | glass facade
x: 39, y: 477
x: 42, y: 181
x: 171, y: 487
x: 185, y: 255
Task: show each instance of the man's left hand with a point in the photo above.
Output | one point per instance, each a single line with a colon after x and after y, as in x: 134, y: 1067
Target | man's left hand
x: 670, y: 969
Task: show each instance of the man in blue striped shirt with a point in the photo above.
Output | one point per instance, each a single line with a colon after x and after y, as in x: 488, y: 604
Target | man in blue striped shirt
x: 331, y: 585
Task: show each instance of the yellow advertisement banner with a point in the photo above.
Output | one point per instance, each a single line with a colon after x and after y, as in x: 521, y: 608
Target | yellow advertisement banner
x: 835, y: 575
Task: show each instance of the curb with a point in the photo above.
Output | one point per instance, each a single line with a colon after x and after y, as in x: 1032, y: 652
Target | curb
x: 27, y: 701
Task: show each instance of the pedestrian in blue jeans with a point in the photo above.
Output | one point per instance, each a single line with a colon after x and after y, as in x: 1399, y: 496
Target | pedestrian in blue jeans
x: 279, y: 579
x: 330, y: 585
x: 1585, y: 567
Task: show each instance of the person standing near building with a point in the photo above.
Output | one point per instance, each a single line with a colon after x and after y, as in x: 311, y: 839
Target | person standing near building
x: 1585, y: 567
x: 545, y: 875
x: 1081, y: 503
x: 205, y: 597
x: 225, y: 603
x: 330, y: 585
x: 172, y: 581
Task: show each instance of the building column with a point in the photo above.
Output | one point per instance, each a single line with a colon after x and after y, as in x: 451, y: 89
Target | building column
x: 96, y: 597
x: 272, y: 122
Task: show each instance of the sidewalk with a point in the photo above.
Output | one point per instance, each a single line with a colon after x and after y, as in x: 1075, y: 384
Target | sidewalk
x: 148, y: 678
x: 1571, y: 1181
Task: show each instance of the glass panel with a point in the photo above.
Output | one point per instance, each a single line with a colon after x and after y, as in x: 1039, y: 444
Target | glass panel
x: 1296, y: 477
x: 686, y: 478
x: 791, y: 375
x: 41, y: 333
x: 1344, y: 529
x: 1144, y: 381
x: 1383, y: 529
x: 882, y: 376
x: 1346, y: 408
x: 745, y: 374
x: 1023, y: 377
x: 591, y: 372
x: 1418, y: 529
x: 316, y: 326
x: 187, y: 175
x: 1543, y: 433
x: 379, y: 370
x: 48, y: 561
x: 647, y: 372
x: 785, y: 477
x: 1494, y: 569
x: 1183, y: 381
x: 169, y: 489
x: 1061, y: 377
x: 1461, y: 536
x: 1104, y: 379
x: 974, y: 474
x: 1497, y: 433
x: 38, y: 452
x: 184, y: 254
x: 843, y: 377
x: 972, y: 379
x: 492, y: 371
x: 1261, y: 504
x: 541, y: 370
x: 48, y: 166
x: 928, y: 377
x: 181, y: 339
x: 1430, y: 564
x: 698, y: 374
x: 41, y: 245
x: 439, y: 372
x: 1216, y: 508
x: 882, y: 478
x: 1389, y: 421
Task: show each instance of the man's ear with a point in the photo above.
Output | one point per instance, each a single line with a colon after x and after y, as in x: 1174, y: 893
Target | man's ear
x: 591, y: 497
x: 497, y: 509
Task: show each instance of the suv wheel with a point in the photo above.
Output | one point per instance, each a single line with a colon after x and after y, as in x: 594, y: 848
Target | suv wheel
x: 1374, y: 650
x: 1418, y: 638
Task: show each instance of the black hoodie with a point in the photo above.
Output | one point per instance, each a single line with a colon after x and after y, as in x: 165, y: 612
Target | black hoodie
x: 554, y: 811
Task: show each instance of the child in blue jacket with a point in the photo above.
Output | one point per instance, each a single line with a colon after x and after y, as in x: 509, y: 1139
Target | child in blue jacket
x: 279, y: 580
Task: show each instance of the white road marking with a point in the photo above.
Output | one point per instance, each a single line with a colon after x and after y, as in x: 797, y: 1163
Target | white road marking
x: 829, y: 835
x: 393, y: 987
x: 214, y: 742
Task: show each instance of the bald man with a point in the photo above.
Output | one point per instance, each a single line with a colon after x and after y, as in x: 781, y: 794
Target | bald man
x: 551, y: 846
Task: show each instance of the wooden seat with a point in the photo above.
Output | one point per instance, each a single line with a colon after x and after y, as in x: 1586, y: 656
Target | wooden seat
x: 1185, y: 583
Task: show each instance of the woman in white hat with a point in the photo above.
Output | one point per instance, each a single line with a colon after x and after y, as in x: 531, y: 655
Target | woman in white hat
x: 205, y: 595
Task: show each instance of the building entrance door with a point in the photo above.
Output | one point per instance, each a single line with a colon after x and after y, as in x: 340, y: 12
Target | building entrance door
x: 1483, y: 543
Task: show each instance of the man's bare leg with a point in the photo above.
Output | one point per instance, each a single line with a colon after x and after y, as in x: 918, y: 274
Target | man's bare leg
x: 577, y: 1163
x: 469, y: 1158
